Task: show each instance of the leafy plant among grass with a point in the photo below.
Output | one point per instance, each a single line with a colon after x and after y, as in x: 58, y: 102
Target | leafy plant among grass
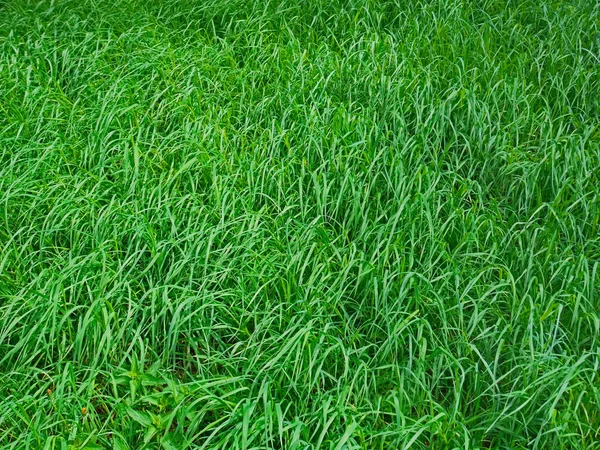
x: 341, y: 224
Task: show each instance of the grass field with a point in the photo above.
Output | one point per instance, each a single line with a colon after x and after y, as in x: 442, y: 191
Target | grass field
x: 327, y: 224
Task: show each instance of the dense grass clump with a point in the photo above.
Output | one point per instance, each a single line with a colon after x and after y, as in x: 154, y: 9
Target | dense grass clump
x: 328, y: 224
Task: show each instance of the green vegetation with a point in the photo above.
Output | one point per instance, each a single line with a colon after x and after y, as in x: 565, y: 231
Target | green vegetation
x: 329, y: 224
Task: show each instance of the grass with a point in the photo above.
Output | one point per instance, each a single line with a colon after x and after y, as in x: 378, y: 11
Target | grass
x: 330, y: 224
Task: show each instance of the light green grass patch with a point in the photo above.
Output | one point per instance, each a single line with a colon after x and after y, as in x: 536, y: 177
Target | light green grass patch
x: 326, y: 225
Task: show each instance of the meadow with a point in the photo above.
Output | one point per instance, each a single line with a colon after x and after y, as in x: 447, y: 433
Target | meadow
x: 327, y: 224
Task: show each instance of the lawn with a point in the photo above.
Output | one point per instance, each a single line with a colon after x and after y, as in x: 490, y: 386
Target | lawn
x: 319, y: 224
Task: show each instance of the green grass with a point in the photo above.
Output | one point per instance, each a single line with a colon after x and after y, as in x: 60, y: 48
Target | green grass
x: 327, y: 224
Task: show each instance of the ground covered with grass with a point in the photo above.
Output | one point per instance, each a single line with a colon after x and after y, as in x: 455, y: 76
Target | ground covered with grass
x: 357, y: 224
